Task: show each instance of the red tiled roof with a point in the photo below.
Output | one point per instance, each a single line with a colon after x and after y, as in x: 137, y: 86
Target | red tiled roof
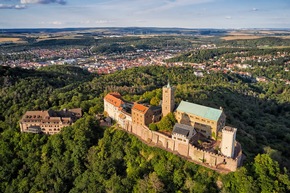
x: 116, y: 94
x: 114, y: 99
x: 140, y: 108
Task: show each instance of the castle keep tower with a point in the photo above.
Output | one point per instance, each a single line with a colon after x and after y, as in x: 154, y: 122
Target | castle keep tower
x: 228, y: 141
x: 167, y: 99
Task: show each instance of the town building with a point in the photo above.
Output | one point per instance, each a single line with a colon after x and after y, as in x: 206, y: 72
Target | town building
x: 198, y: 73
x: 48, y: 122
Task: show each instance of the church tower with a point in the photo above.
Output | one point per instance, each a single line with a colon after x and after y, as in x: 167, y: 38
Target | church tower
x: 167, y: 99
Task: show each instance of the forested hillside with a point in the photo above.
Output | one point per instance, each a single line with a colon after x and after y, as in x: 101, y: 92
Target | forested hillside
x: 88, y: 158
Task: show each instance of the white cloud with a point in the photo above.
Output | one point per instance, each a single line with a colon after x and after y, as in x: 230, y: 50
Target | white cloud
x: 85, y: 22
x: 6, y: 6
x: 56, y: 23
x: 3, y: 6
x: 104, y: 21
x: 62, y: 2
x: 20, y: 6
x: 51, y: 22
x: 254, y: 9
x: 228, y: 17
x: 23, y: 2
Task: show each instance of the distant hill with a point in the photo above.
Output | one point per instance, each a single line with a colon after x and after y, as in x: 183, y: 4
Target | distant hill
x: 121, y: 30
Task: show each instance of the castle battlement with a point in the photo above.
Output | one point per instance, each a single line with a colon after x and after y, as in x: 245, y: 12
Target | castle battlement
x: 192, y: 153
x: 228, y: 129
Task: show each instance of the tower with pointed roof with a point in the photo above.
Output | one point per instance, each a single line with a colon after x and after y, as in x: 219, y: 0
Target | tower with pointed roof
x: 167, y: 99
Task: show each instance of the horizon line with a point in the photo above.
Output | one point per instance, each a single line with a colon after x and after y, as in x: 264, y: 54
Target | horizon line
x: 185, y: 28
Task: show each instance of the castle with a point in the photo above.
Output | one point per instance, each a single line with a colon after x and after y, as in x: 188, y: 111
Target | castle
x: 196, y: 136
x: 48, y: 122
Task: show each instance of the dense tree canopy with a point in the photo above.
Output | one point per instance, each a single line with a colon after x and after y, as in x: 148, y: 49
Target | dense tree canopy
x: 88, y: 158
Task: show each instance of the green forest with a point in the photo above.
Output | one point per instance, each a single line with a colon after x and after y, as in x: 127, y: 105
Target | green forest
x: 273, y: 69
x: 86, y: 157
x: 100, y: 45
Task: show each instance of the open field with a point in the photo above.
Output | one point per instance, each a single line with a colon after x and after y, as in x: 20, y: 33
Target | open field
x: 248, y: 37
x: 255, y: 34
x: 271, y: 47
x: 47, y: 37
x: 283, y: 37
x: 240, y: 37
x: 259, y: 32
x: 11, y: 39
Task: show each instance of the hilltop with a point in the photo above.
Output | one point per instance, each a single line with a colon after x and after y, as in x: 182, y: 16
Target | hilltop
x: 86, y: 157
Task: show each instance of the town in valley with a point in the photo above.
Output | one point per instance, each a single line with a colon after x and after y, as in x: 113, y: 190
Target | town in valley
x: 105, y: 51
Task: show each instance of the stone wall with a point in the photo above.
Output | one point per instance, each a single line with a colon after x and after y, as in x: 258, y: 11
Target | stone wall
x: 205, y: 158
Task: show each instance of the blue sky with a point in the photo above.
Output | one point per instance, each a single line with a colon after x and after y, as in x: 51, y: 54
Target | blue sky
x: 145, y: 13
